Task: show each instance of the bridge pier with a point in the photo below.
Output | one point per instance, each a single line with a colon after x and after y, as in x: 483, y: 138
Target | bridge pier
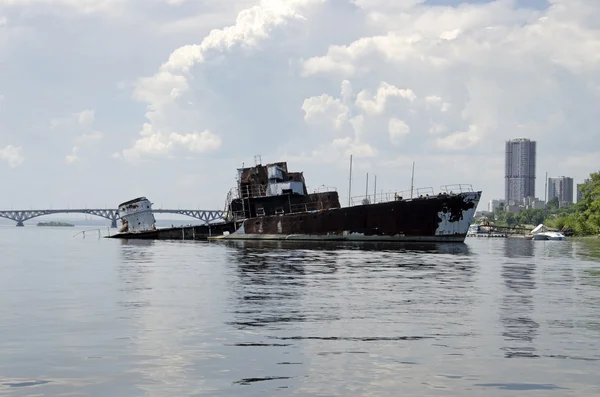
x: 20, y: 224
x: 113, y: 224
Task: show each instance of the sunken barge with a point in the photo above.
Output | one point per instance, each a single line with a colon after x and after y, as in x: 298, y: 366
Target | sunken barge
x: 272, y: 203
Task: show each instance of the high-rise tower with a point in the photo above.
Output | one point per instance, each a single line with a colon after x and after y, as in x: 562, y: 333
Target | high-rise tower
x: 519, y: 170
x: 562, y: 188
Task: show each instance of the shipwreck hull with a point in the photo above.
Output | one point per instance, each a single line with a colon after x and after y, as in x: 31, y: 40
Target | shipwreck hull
x: 442, y: 218
x: 199, y: 232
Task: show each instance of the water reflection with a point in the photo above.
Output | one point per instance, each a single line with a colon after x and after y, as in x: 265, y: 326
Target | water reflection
x: 176, y: 318
x: 137, y: 251
x: 515, y: 248
x: 159, y: 302
x: 271, y: 280
x: 517, y: 305
x: 276, y: 279
x: 439, y: 248
x: 135, y: 271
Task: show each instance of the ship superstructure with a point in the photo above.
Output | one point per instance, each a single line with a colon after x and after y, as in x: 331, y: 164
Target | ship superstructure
x: 136, y: 216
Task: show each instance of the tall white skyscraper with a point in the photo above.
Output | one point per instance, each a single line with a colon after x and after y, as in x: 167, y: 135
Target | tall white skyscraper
x: 562, y: 188
x: 519, y: 177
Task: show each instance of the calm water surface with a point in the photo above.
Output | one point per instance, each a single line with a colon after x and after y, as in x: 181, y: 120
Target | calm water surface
x: 491, y: 317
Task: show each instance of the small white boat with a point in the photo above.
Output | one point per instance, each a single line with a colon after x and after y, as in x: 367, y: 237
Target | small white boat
x: 541, y: 232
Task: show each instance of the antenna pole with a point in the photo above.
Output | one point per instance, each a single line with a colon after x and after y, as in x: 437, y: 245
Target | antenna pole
x: 412, y: 180
x: 350, y: 182
x: 367, y: 188
x: 546, y: 189
x: 375, y: 190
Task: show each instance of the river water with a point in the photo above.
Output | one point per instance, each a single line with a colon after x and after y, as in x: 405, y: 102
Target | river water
x: 491, y: 317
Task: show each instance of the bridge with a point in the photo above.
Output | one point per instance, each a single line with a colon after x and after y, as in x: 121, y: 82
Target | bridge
x: 21, y: 216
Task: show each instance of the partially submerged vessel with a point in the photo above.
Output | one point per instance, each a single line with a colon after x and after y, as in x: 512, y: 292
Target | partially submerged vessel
x: 136, y: 216
x: 138, y: 222
x: 271, y: 203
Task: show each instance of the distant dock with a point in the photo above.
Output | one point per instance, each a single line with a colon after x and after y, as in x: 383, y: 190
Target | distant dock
x: 488, y: 235
x: 493, y: 231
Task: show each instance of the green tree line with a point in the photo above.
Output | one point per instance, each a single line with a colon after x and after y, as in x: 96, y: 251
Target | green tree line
x: 583, y: 218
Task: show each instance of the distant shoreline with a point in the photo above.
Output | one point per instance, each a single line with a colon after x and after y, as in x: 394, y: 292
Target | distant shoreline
x: 55, y: 224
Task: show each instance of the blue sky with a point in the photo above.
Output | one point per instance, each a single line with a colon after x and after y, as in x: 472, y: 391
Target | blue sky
x: 105, y: 100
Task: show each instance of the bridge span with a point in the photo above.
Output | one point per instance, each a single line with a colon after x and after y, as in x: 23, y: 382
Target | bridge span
x: 20, y: 216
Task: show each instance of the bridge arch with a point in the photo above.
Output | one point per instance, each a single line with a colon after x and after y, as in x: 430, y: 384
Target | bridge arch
x: 20, y: 216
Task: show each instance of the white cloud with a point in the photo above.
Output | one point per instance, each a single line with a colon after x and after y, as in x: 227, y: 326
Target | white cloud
x: 438, y: 102
x: 436, y: 129
x: 171, y: 82
x: 461, y: 140
x: 83, y: 118
x: 86, y: 117
x: 90, y: 137
x: 387, y: 5
x: 12, y: 155
x: 347, y: 91
x: 450, y: 35
x: 79, y: 126
x: 158, y: 144
x: 197, y: 142
x: 73, y: 157
x: 375, y: 104
x: 325, y: 107
x: 397, y: 129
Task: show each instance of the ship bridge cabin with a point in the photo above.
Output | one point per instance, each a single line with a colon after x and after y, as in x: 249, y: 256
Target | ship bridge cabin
x: 273, y: 190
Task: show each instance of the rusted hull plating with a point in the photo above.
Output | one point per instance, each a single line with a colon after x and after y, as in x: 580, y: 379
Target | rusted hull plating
x: 198, y: 232
x: 443, y: 218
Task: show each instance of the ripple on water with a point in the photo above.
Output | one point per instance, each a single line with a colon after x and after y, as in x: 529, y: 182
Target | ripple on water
x: 181, y: 318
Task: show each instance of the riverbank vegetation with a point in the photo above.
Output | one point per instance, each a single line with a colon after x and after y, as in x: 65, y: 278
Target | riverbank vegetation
x: 583, y: 218
x: 55, y: 224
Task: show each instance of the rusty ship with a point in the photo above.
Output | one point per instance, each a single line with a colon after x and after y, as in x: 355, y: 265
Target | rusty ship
x: 272, y: 203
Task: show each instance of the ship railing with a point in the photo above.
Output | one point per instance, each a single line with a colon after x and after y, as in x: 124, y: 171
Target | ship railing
x: 315, y: 206
x: 252, y: 191
x: 238, y: 216
x: 396, y: 195
x: 425, y: 191
x: 325, y: 189
x: 91, y: 232
x: 457, y: 188
x: 382, y: 197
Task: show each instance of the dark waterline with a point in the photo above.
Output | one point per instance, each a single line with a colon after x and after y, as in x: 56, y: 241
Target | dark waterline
x: 491, y: 317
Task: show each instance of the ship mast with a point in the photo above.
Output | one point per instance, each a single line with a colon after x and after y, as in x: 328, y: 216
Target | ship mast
x: 350, y: 182
x: 375, y: 190
x: 412, y: 180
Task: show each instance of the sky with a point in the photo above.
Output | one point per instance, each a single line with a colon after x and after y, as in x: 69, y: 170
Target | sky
x: 102, y: 101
